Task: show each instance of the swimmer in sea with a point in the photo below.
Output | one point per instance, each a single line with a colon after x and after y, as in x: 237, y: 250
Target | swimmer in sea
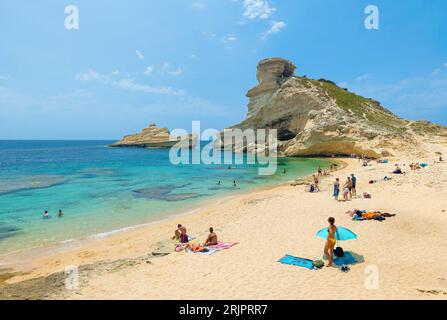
x: 60, y: 214
x: 46, y: 215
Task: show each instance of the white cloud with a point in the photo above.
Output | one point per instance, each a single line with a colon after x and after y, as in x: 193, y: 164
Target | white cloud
x: 176, y: 72
x: 115, y: 72
x: 91, y: 75
x: 148, y: 71
x: 343, y: 84
x: 209, y: 34
x: 4, y: 76
x: 363, y: 77
x: 257, y: 9
x: 139, y: 55
x: 127, y: 84
x: 436, y: 71
x: 417, y: 97
x: 275, y: 27
x: 198, y: 5
x: 167, y: 69
x: 229, y: 38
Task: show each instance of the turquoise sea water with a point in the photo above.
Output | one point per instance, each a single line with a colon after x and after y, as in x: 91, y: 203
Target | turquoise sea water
x: 101, y: 189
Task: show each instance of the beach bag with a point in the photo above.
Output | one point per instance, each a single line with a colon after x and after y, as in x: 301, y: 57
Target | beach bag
x: 318, y: 264
x: 339, y: 252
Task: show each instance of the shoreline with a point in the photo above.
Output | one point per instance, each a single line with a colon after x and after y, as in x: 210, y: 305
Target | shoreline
x: 18, y: 261
x: 268, y: 224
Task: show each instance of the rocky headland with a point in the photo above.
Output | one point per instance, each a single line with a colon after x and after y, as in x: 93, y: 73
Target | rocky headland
x: 319, y: 118
x: 150, y: 137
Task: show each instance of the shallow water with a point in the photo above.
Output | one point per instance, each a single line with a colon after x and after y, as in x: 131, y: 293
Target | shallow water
x: 101, y: 189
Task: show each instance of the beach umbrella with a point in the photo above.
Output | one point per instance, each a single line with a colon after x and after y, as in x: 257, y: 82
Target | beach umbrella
x: 342, y: 234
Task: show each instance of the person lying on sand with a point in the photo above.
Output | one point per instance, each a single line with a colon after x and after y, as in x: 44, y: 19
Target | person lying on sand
x: 195, y: 247
x: 369, y: 215
x: 330, y: 243
x: 212, y: 238
x: 180, y: 234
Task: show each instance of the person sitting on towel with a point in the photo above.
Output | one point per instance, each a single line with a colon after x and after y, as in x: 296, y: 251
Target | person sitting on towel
x: 180, y: 234
x: 212, y: 238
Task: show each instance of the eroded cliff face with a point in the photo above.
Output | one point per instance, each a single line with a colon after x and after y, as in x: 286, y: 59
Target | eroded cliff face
x: 318, y: 118
x: 150, y: 137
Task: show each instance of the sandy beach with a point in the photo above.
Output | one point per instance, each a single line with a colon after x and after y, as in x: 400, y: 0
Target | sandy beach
x: 405, y: 250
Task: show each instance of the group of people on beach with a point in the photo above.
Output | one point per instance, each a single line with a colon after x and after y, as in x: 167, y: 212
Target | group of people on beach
x: 181, y: 235
x: 349, y: 188
x: 46, y: 215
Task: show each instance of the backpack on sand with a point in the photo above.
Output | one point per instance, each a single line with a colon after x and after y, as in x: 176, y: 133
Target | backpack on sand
x: 318, y: 264
x: 338, y: 252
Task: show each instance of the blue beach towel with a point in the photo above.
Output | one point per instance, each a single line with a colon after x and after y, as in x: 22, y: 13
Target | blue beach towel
x: 295, y: 261
x: 346, y: 260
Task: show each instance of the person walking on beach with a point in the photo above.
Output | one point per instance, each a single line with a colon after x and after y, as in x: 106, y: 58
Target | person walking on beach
x: 330, y: 243
x: 336, y: 188
x: 316, y: 182
x: 212, y: 238
x: 320, y: 172
x: 353, y: 186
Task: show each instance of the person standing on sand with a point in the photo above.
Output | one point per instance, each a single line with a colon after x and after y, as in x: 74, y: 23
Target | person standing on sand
x: 347, y: 189
x: 330, y: 243
x: 212, y: 238
x: 316, y: 182
x: 320, y: 171
x: 353, y: 185
x: 336, y: 188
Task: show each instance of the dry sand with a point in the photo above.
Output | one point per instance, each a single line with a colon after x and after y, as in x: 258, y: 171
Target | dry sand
x: 408, y: 250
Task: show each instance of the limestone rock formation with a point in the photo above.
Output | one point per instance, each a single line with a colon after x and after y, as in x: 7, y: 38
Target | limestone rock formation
x: 150, y: 137
x: 318, y: 118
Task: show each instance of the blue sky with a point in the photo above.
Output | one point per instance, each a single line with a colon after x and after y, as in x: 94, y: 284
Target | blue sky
x: 132, y: 63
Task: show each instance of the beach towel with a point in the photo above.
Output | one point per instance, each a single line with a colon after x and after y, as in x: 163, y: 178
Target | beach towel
x: 223, y: 245
x: 346, y: 260
x: 219, y: 247
x: 296, y: 261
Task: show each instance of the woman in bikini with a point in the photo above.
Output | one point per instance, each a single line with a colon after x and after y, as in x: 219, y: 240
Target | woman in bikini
x: 330, y: 243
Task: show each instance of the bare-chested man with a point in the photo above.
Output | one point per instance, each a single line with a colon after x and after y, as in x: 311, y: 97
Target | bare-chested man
x: 212, y: 238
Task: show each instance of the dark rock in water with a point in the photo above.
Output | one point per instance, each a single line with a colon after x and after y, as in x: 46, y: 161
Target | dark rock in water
x: 182, y: 196
x: 30, y: 183
x: 8, y: 231
x: 165, y: 193
x: 90, y: 173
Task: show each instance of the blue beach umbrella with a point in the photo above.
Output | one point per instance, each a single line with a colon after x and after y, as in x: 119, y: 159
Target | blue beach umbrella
x: 342, y: 234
